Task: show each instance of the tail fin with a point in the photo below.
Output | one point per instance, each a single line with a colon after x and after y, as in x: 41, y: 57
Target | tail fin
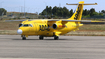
x: 78, y: 14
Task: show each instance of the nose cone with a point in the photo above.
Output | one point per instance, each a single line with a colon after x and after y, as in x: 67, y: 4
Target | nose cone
x: 19, y: 31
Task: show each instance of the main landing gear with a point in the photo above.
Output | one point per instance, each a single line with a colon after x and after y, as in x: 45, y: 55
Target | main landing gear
x: 42, y: 37
x: 56, y: 37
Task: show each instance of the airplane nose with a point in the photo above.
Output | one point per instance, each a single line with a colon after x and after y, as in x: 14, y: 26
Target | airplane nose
x: 19, y: 31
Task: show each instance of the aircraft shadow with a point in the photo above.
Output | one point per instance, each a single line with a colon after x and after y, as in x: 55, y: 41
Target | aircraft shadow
x: 38, y: 39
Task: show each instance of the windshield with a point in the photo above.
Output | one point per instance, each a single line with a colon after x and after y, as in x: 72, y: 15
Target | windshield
x: 25, y: 25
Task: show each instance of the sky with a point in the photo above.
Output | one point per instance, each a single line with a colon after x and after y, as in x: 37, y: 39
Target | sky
x: 33, y: 6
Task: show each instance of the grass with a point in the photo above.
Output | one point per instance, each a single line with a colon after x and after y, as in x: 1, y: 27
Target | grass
x: 93, y: 27
x: 9, y: 25
x: 85, y: 30
x: 8, y: 32
x: 87, y: 33
x: 19, y: 15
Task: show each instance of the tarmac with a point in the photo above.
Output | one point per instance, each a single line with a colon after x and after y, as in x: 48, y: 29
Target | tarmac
x: 67, y: 47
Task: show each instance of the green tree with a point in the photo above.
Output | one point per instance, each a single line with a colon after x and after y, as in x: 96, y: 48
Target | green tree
x: 71, y: 12
x: 103, y: 11
x: 85, y: 12
x: 45, y: 11
x: 2, y: 11
x: 95, y: 13
x: 54, y: 10
x: 101, y: 14
x: 92, y: 10
x: 49, y: 11
x: 65, y: 12
x: 59, y: 12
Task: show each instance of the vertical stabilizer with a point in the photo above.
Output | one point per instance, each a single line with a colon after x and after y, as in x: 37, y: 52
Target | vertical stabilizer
x: 78, y: 13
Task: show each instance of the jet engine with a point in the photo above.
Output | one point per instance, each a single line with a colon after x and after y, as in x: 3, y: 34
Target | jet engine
x: 58, y: 26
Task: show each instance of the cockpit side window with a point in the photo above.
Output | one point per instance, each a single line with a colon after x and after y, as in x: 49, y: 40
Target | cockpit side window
x: 20, y: 25
x: 30, y: 25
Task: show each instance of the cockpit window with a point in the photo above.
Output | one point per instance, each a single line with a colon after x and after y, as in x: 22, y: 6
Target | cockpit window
x: 27, y: 25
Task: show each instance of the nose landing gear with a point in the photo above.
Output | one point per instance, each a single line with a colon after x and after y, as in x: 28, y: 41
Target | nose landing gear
x: 23, y: 37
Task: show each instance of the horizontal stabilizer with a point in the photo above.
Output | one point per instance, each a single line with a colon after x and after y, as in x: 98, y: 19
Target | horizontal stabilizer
x: 82, y: 4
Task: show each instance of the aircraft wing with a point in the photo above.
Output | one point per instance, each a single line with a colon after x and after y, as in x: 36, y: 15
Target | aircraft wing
x: 83, y: 21
x: 76, y: 20
x: 63, y: 20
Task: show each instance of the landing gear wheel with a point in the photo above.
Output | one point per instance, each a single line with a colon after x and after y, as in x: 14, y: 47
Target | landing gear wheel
x: 56, y: 37
x: 23, y: 38
x: 41, y: 37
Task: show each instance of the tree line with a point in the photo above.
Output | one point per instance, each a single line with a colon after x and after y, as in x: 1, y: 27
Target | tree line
x: 62, y: 12
x: 65, y: 13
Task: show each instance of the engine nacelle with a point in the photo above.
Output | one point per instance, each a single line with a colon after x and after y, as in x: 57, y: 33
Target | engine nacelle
x: 58, y: 26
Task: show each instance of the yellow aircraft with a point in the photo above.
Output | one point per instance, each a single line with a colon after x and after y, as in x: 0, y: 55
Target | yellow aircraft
x: 52, y: 28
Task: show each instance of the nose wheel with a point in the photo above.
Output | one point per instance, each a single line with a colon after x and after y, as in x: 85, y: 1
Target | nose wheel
x: 23, y: 38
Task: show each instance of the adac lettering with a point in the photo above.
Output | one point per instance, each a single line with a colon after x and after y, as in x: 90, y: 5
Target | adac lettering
x: 77, y: 14
x: 43, y: 28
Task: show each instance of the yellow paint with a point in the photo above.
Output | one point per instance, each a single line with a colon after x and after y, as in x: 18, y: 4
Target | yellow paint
x: 44, y: 27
